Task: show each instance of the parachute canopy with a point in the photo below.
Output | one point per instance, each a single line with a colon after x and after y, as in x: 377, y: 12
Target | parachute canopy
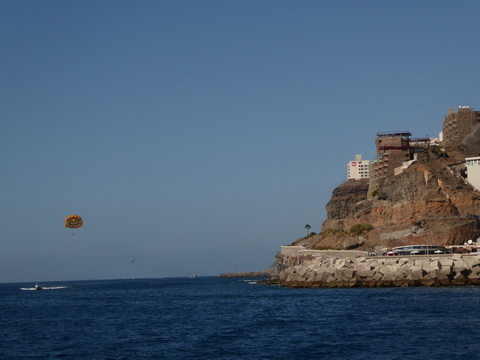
x: 73, y: 222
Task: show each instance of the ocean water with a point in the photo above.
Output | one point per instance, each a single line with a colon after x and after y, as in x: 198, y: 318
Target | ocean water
x: 212, y: 318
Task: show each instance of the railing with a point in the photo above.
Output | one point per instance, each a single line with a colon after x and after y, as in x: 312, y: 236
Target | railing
x: 394, y: 133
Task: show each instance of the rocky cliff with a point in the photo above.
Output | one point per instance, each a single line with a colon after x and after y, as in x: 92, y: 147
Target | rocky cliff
x: 430, y: 202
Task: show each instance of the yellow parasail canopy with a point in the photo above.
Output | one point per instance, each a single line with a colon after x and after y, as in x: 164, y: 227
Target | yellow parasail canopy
x: 73, y: 222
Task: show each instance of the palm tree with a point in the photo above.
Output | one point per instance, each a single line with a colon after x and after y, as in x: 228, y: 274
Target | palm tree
x: 307, y: 227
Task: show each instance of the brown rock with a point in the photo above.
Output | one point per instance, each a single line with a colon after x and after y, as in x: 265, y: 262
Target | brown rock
x: 428, y: 203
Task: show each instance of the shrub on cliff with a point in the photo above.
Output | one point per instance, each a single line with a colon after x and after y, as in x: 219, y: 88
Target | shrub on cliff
x: 332, y: 232
x: 358, y: 229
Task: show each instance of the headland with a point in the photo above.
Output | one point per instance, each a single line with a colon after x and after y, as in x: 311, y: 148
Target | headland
x: 416, y: 191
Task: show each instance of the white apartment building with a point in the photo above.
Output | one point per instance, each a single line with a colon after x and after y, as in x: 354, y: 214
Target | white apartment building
x: 358, y: 169
x: 473, y: 171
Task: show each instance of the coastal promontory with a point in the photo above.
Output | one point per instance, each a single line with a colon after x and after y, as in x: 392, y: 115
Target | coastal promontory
x: 419, y: 191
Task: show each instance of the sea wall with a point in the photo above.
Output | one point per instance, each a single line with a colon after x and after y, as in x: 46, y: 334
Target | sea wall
x: 364, y: 271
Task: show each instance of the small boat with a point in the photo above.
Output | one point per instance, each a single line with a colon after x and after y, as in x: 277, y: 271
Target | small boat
x: 193, y: 276
x: 38, y: 287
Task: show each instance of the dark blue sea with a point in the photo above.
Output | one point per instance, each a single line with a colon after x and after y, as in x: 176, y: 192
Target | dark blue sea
x: 212, y: 318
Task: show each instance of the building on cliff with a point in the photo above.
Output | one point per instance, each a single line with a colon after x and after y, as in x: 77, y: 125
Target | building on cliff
x: 393, y: 149
x: 473, y: 171
x: 395, y: 152
x: 457, y: 125
x: 358, y: 169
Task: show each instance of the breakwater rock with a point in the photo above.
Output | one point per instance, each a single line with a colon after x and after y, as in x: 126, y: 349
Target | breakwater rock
x: 365, y: 271
x: 250, y: 274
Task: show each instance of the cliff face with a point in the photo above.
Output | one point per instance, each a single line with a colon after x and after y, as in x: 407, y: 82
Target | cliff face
x: 428, y: 203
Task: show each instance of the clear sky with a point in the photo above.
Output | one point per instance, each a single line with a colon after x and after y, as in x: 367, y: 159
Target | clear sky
x: 200, y: 136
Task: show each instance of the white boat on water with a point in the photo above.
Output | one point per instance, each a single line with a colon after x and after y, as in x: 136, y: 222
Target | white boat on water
x: 38, y: 287
x: 193, y: 276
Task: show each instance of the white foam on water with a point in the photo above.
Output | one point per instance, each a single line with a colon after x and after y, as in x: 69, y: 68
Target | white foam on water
x: 249, y: 281
x: 45, y: 288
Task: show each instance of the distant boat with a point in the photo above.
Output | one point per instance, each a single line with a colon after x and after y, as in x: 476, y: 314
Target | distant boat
x: 38, y: 287
x: 193, y: 276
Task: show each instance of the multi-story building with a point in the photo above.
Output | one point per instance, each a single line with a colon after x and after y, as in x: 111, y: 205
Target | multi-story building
x: 457, y: 125
x: 358, y: 169
x: 393, y: 149
x: 396, y: 151
x: 473, y: 171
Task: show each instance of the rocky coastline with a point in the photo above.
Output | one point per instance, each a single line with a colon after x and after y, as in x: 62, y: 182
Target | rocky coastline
x: 418, y: 191
x: 378, y: 271
x: 250, y: 274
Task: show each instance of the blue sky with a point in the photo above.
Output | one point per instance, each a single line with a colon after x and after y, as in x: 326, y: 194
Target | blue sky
x: 200, y: 136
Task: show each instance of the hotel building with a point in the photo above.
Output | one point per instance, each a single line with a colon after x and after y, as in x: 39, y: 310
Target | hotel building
x: 358, y: 169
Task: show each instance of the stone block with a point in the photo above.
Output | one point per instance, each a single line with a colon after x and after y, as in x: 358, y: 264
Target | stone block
x: 316, y: 277
x: 474, y: 281
x: 402, y: 273
x: 428, y: 275
x: 369, y: 283
x: 338, y: 274
x: 474, y: 275
x: 389, y: 276
x: 408, y: 276
x: 475, y: 264
x: 384, y: 283
x: 417, y: 274
x: 331, y: 281
x: 439, y: 274
x: 461, y: 267
x: 427, y: 282
x: 377, y: 276
x: 459, y: 279
x: 311, y: 276
x: 325, y: 275
x: 444, y: 282
x: 349, y: 273
x: 476, y: 270
x: 447, y: 270
x: 295, y: 277
x: 470, y: 261
x: 365, y: 273
x: 420, y: 262
x: 353, y: 282
x: 301, y: 271
x: 400, y: 282
x: 391, y: 269
x: 446, y: 262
